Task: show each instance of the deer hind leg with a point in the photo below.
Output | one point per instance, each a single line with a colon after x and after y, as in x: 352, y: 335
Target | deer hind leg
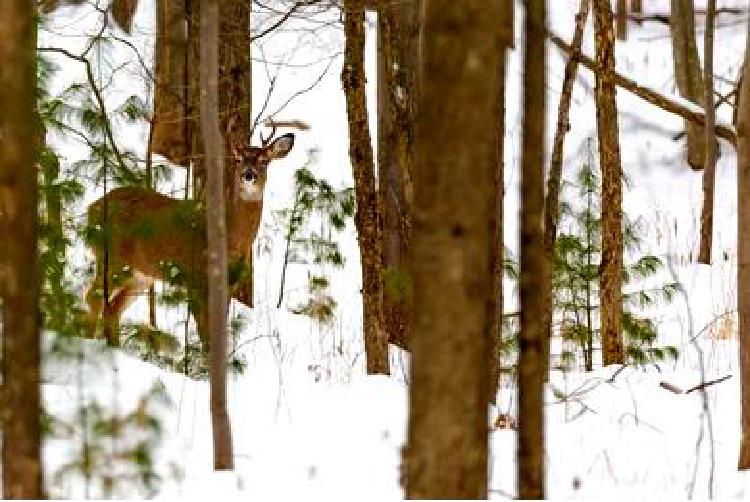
x: 124, y: 298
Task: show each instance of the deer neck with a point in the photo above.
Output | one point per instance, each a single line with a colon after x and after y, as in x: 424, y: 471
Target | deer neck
x: 242, y: 225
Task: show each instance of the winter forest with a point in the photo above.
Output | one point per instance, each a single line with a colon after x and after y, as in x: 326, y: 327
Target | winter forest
x: 375, y: 249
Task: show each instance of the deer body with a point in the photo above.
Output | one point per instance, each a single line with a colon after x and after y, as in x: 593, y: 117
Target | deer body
x: 142, y: 235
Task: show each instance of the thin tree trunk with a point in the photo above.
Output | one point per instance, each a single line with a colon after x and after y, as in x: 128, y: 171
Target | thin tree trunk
x: 622, y: 19
x: 530, y: 454
x: 367, y: 216
x: 19, y: 268
x: 743, y: 256
x: 552, y: 201
x: 636, y: 7
x: 709, y: 174
x: 216, y: 232
x: 687, y: 68
x: 610, y: 270
x: 453, y: 248
x: 398, y: 63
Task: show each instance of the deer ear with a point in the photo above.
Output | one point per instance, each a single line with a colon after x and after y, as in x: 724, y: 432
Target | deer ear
x: 282, y: 146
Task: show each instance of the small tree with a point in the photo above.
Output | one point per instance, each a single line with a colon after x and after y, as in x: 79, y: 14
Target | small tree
x: 578, y: 257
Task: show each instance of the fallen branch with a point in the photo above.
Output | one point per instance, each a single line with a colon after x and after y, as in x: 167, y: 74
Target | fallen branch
x: 670, y: 104
x: 670, y: 387
x: 706, y: 384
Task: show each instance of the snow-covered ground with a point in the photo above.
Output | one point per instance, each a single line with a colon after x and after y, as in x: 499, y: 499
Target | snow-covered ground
x: 307, y: 421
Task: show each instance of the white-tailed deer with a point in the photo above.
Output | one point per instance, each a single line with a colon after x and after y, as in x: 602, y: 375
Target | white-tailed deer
x: 139, y: 235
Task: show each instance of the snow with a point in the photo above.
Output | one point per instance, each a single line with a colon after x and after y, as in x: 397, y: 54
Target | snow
x: 307, y: 422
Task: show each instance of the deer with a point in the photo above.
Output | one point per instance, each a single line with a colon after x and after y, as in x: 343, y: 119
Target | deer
x: 139, y: 235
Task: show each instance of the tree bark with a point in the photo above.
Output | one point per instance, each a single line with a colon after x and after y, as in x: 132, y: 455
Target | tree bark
x: 453, y: 247
x: 398, y: 64
x: 649, y: 95
x: 709, y: 174
x: 636, y: 7
x: 367, y: 216
x: 19, y: 269
x: 622, y: 19
x: 687, y: 69
x: 552, y: 201
x: 610, y: 269
x: 169, y: 90
x: 531, y: 376
x: 743, y: 256
x: 216, y: 232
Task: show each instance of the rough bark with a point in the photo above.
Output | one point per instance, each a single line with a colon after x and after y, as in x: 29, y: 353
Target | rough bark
x: 636, y: 7
x: 552, y: 200
x: 169, y: 90
x: 367, y: 216
x: 453, y: 248
x: 709, y: 174
x: 743, y: 257
x: 398, y: 64
x: 622, y: 19
x: 530, y: 453
x: 216, y: 233
x: 610, y: 269
x: 19, y: 269
x: 649, y: 95
x: 687, y: 69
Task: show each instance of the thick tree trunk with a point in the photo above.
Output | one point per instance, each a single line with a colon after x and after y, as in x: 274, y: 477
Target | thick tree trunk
x: 531, y: 376
x: 709, y: 174
x: 453, y: 248
x: 610, y: 270
x: 169, y: 71
x: 552, y: 201
x: 367, y: 216
x: 398, y: 64
x: 743, y: 256
x: 687, y: 69
x: 19, y: 269
x: 216, y: 233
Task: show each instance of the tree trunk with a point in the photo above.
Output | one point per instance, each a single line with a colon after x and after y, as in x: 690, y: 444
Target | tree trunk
x: 531, y: 376
x: 19, y: 268
x: 453, y: 248
x: 622, y: 19
x: 367, y: 216
x: 610, y: 270
x: 743, y: 256
x: 709, y: 174
x: 216, y: 232
x: 169, y: 73
x: 398, y: 64
x: 687, y: 69
x: 552, y: 201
